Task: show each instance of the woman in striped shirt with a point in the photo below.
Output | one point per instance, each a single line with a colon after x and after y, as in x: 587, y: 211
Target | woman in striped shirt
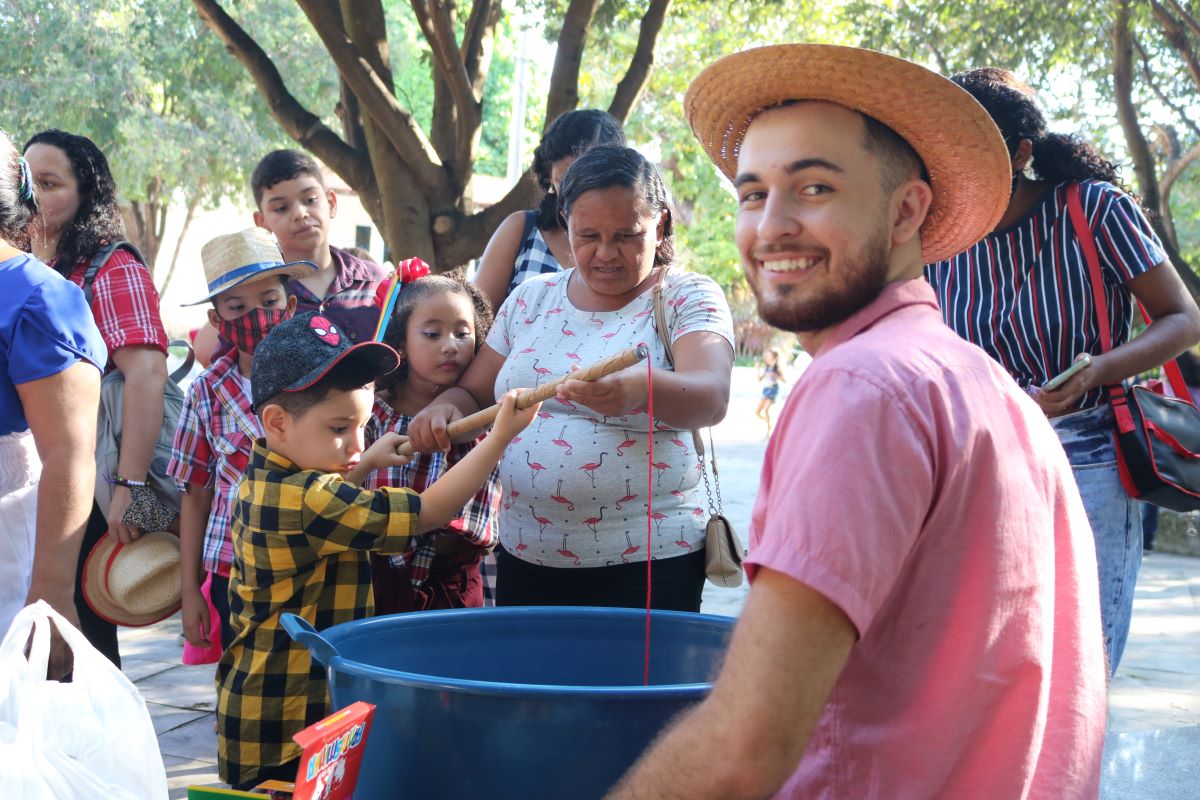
x: 1024, y: 295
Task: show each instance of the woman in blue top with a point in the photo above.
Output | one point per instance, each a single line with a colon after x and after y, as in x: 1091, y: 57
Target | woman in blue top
x: 50, y: 360
x: 1023, y: 294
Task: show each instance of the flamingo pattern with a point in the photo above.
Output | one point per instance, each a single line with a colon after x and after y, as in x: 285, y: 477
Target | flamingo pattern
x: 629, y: 495
x: 598, y: 464
x: 593, y: 522
x: 561, y: 441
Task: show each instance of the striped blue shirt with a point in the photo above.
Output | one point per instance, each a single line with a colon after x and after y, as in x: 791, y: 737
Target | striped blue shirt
x: 1024, y: 293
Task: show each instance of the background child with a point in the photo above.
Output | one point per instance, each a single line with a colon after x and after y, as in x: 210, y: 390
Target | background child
x: 294, y: 204
x: 438, y: 325
x: 770, y: 375
x: 302, y: 530
x: 217, y: 428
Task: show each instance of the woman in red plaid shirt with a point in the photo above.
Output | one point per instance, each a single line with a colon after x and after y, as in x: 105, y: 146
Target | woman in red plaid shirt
x: 77, y: 216
x: 437, y: 327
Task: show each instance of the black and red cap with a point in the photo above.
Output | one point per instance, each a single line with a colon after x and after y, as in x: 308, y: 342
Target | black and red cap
x: 302, y: 350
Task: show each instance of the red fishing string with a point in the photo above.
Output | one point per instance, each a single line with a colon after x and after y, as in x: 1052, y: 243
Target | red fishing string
x: 649, y: 513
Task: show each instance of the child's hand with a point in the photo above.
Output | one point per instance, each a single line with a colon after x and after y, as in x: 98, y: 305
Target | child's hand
x: 383, y: 453
x: 196, y: 622
x: 509, y: 421
x: 428, y: 428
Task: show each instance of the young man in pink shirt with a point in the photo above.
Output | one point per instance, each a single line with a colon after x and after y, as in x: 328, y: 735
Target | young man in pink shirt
x: 923, y: 620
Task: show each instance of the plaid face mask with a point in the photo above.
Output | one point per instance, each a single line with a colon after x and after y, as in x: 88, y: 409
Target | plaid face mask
x: 248, y: 330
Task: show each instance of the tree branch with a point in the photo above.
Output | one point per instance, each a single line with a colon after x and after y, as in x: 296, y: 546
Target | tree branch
x: 473, y: 232
x: 640, y: 66
x: 1176, y: 36
x: 299, y: 123
x: 444, y: 119
x: 563, y: 94
x: 479, y: 29
x: 449, y: 61
x: 1189, y: 20
x: 1135, y: 138
x: 348, y: 112
x: 1176, y: 168
x: 373, y: 95
x: 1162, y: 97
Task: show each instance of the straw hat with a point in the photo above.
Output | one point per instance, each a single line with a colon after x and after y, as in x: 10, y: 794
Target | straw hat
x: 969, y: 167
x: 134, y: 584
x: 248, y: 255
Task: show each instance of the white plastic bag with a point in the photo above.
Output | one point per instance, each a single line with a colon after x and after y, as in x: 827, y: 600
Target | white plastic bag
x: 91, y: 738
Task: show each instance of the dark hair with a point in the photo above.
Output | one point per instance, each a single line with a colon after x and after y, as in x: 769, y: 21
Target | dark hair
x: 347, y: 376
x: 607, y: 166
x: 1057, y: 157
x: 17, y: 203
x: 898, y: 158
x: 98, y: 219
x: 570, y: 134
x: 278, y: 166
x: 453, y: 282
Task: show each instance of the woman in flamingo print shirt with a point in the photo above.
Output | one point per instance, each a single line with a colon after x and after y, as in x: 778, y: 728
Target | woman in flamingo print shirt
x: 573, y: 519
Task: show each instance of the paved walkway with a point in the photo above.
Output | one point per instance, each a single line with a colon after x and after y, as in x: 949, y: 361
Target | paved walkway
x: 1158, y: 685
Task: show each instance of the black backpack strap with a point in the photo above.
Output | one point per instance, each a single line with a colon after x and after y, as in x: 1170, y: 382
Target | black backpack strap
x: 101, y: 258
x: 184, y: 368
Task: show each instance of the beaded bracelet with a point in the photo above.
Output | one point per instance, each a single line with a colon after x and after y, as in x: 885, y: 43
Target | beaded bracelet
x: 117, y: 480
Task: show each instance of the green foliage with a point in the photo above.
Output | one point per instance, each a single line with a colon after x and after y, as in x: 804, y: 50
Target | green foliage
x: 145, y: 80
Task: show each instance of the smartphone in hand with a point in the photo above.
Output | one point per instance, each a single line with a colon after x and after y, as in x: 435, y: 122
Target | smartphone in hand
x: 1058, y: 380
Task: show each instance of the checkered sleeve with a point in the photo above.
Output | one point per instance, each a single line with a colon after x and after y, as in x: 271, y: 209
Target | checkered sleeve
x: 192, y: 460
x: 339, y: 516
x: 475, y: 522
x: 125, y: 304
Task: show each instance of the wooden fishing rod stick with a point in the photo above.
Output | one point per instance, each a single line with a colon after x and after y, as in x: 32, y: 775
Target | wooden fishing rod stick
x: 529, y: 397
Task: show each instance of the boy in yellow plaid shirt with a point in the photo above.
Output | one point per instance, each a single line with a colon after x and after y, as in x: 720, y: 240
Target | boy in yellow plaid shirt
x: 302, y: 529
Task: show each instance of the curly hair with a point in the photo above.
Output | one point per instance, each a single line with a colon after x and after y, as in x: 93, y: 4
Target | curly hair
x: 98, y: 219
x: 609, y: 165
x: 569, y: 135
x: 396, y: 334
x: 1057, y: 157
x: 17, y: 202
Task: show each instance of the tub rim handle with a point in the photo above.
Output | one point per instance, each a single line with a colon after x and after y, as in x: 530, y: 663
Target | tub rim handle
x: 302, y: 631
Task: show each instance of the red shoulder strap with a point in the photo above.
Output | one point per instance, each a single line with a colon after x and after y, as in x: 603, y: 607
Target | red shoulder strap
x: 1087, y: 242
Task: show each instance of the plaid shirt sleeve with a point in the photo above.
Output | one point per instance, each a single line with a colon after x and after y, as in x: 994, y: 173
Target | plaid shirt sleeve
x: 475, y: 521
x: 339, y: 516
x: 125, y: 304
x: 192, y: 459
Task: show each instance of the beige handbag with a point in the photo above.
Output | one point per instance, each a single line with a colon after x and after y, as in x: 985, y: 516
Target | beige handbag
x: 723, y: 550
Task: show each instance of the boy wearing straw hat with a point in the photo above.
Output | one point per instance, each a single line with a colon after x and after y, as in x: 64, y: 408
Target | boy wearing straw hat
x: 303, y: 531
x: 247, y: 286
x: 923, y: 619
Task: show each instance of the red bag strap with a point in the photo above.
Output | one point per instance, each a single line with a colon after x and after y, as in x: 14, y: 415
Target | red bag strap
x: 1087, y: 242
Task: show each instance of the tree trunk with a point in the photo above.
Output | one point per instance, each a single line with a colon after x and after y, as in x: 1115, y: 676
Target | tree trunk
x: 413, y: 187
x: 143, y: 226
x: 403, y: 219
x: 1145, y: 170
x: 193, y: 204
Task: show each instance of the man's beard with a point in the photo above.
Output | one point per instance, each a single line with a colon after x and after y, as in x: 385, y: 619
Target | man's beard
x: 862, y: 284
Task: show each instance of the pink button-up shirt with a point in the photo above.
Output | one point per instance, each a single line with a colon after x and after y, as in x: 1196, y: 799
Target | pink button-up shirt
x: 913, y: 484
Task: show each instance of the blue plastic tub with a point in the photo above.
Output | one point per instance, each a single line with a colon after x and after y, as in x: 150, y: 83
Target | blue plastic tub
x: 522, y: 703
